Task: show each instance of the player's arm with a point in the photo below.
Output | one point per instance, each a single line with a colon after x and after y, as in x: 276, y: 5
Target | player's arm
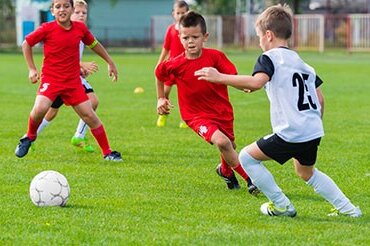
x: 320, y: 96
x: 88, y: 68
x: 33, y: 75
x: 163, y: 104
x: 102, y: 52
x: 164, y: 53
x: 244, y: 82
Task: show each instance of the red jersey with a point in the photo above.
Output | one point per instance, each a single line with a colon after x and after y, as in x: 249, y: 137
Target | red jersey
x: 199, y: 98
x: 172, y: 41
x: 61, y: 62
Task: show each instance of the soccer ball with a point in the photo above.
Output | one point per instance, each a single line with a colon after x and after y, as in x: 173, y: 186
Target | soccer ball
x: 49, y: 188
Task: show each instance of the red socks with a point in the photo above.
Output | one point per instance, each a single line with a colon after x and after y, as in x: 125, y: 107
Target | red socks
x: 239, y: 169
x: 101, y: 138
x: 227, y: 170
x: 32, y: 129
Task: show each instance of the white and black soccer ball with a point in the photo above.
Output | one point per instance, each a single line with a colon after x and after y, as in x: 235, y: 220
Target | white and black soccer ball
x: 49, y: 188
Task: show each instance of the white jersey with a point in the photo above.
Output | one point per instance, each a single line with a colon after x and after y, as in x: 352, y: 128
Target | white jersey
x: 294, y: 106
x: 83, y: 80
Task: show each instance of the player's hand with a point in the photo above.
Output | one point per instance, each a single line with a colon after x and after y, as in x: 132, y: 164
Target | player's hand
x: 33, y: 76
x: 163, y: 106
x: 112, y: 72
x: 208, y: 73
x: 88, y: 68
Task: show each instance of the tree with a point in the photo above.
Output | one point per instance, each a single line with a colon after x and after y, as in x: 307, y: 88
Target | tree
x: 216, y: 7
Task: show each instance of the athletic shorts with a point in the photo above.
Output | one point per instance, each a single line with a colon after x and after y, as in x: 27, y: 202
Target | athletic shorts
x: 281, y: 151
x: 58, y: 102
x: 205, y: 128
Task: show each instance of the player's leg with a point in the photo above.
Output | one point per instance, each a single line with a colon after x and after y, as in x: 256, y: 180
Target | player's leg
x: 79, y: 139
x: 230, y: 162
x: 41, y: 106
x: 279, y: 205
x: 51, y: 114
x: 327, y: 188
x: 162, y: 119
x: 88, y: 115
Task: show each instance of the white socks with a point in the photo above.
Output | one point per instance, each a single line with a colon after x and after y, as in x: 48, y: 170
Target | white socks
x: 263, y: 179
x: 325, y: 186
x: 81, y: 129
x: 43, y: 124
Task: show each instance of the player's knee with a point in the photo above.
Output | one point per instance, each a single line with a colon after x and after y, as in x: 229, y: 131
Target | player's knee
x: 246, y: 160
x: 223, y: 143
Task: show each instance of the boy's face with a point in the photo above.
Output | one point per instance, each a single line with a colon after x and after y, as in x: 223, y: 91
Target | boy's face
x: 177, y: 13
x: 62, y: 11
x: 79, y: 14
x: 192, y: 39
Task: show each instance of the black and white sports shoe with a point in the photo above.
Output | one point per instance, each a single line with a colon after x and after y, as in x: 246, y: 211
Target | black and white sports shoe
x: 252, y: 189
x: 268, y: 208
x: 23, y: 146
x: 231, y: 182
x: 113, y: 156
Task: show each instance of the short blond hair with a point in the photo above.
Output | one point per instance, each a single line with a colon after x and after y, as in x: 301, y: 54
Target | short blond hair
x: 277, y: 19
x: 80, y: 3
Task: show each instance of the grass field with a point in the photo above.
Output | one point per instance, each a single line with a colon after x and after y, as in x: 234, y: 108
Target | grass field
x: 166, y: 191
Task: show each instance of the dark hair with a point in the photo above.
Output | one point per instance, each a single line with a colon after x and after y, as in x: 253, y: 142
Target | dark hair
x: 181, y: 4
x: 52, y: 3
x: 192, y: 19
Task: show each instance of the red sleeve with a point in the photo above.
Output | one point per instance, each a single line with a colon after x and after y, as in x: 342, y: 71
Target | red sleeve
x: 37, y: 36
x: 162, y: 72
x: 224, y: 65
x: 167, y: 39
x: 88, y: 37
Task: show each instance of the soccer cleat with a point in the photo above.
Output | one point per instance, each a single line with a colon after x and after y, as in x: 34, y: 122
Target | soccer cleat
x: 252, y: 189
x: 113, y: 156
x: 162, y: 120
x: 23, y: 146
x: 231, y: 182
x: 183, y: 125
x: 354, y: 213
x: 82, y: 143
x: 268, y: 208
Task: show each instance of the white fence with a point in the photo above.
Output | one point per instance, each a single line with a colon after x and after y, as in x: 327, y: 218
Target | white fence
x: 359, y: 32
x: 311, y: 32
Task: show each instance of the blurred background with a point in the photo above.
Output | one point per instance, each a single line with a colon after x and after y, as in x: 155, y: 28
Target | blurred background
x: 141, y: 24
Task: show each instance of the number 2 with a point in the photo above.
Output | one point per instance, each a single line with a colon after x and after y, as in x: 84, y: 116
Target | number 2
x: 299, y: 80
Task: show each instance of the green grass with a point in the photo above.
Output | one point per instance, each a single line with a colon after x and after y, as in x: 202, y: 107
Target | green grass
x: 166, y: 192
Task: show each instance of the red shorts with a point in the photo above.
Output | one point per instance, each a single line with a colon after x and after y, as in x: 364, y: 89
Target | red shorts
x: 72, y: 95
x: 207, y: 127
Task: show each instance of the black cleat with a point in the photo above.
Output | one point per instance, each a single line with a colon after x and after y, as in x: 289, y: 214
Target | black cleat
x: 23, y: 146
x: 231, y: 182
x: 252, y: 189
x: 113, y: 156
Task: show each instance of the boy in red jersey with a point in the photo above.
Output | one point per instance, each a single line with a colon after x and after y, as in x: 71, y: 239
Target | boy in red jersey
x: 60, y: 74
x: 79, y: 139
x: 172, y: 47
x: 204, y: 106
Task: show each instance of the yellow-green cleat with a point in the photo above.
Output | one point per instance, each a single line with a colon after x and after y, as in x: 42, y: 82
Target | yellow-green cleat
x: 354, y: 213
x: 183, y: 125
x: 162, y: 120
x: 82, y: 143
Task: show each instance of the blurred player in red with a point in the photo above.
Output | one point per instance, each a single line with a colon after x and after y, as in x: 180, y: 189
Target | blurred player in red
x: 60, y: 74
x: 172, y: 47
x: 204, y: 106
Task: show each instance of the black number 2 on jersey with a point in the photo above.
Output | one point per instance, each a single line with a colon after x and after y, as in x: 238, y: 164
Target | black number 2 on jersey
x: 300, y: 81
